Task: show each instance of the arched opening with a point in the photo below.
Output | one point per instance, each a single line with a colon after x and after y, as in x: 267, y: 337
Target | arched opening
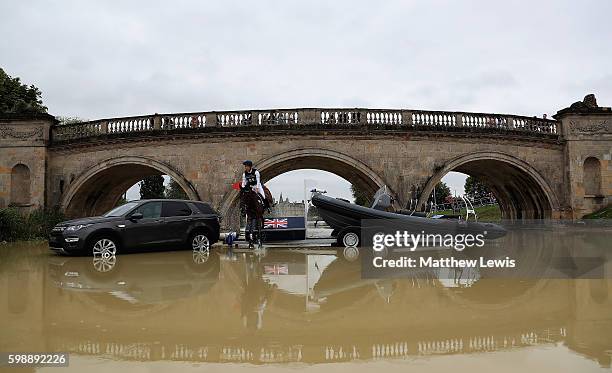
x: 361, y: 177
x: 592, y: 176
x: 449, y: 195
x: 102, y: 187
x: 518, y: 188
x: 20, y: 185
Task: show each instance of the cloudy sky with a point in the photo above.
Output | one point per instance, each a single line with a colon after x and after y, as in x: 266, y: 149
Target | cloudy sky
x: 103, y: 59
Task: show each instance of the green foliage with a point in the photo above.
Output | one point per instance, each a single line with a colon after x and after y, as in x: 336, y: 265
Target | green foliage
x: 15, y: 226
x: 12, y: 225
x: 473, y: 187
x: 152, y: 187
x: 17, y: 98
x: 69, y: 120
x: 361, y: 198
x: 441, y: 192
x: 605, y: 213
x: 122, y: 200
x: 174, y: 191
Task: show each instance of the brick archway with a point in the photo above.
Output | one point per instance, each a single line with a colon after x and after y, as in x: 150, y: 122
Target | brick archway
x: 345, y: 166
x: 98, y: 188
x: 522, y: 192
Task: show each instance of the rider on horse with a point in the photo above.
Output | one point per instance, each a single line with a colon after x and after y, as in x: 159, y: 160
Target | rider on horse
x: 251, y: 179
x: 253, y: 202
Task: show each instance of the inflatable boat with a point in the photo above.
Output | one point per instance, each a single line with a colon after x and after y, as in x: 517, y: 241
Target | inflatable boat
x: 346, y: 219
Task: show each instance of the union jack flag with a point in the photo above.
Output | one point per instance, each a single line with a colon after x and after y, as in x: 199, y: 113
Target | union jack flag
x: 276, y: 269
x: 275, y: 223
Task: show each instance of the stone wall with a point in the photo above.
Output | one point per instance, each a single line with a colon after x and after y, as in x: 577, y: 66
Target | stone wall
x: 211, y: 164
x: 90, y: 174
x: 588, y: 135
x: 23, y: 141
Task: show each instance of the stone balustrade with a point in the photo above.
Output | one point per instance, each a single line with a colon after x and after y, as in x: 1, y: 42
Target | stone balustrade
x: 416, y: 120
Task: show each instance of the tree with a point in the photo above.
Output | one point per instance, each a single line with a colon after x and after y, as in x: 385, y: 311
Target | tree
x: 69, y: 120
x: 174, y: 191
x: 475, y: 188
x: 441, y: 192
x: 122, y: 200
x: 361, y: 198
x: 17, y: 98
x: 152, y: 187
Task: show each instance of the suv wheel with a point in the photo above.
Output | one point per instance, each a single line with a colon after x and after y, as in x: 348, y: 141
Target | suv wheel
x: 104, y: 247
x: 200, y: 242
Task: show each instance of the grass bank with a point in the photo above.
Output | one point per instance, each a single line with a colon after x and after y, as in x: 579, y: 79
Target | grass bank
x: 15, y: 226
x: 605, y: 213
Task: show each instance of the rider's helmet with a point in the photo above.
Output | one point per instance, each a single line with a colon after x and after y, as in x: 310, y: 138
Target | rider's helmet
x: 248, y: 163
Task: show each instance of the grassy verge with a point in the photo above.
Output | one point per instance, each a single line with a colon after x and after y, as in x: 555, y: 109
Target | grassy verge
x: 15, y: 226
x: 605, y: 213
x: 485, y: 213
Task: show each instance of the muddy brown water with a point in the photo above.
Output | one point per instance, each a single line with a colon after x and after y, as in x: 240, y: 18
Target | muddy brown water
x: 295, y: 310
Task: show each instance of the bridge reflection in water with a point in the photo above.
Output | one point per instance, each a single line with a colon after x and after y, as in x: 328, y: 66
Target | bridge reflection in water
x: 286, y: 306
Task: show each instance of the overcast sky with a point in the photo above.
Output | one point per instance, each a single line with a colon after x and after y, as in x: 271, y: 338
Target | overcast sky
x: 104, y: 59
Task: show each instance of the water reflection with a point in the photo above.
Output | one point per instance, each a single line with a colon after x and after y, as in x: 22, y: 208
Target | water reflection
x: 283, y: 306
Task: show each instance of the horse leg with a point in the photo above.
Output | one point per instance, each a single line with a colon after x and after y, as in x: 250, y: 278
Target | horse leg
x: 259, y: 222
x: 260, y: 235
x: 249, y: 230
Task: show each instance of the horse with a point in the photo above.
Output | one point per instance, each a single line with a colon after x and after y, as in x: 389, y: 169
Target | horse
x: 252, y: 205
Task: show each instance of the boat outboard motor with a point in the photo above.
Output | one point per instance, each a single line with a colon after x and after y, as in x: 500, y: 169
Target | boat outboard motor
x: 382, y: 199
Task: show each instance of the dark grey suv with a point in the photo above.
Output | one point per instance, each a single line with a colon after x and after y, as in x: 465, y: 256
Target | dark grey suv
x: 138, y: 225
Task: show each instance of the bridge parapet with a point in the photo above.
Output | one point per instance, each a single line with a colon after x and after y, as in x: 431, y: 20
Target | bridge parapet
x: 416, y: 120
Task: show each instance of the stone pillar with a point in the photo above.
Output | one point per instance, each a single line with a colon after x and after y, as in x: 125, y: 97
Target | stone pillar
x: 104, y: 127
x: 211, y: 120
x: 157, y: 121
x: 586, y: 129
x: 458, y: 120
x: 407, y: 118
x: 309, y: 116
x: 23, y: 160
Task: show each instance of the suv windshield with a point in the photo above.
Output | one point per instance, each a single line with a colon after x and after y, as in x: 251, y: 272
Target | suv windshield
x: 120, y: 210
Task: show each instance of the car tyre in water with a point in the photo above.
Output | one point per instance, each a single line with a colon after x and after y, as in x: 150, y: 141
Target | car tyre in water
x: 199, y: 241
x: 200, y: 247
x: 104, y: 247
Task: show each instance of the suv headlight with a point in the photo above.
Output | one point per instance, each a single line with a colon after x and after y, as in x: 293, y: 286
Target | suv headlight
x: 74, y: 228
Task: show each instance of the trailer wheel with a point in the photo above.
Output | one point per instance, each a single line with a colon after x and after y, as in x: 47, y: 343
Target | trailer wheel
x: 349, y: 237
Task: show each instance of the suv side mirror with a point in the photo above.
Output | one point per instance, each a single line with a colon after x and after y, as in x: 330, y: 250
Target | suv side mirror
x: 136, y: 216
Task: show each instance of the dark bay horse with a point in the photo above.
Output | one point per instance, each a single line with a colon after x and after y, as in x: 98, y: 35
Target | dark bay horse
x: 253, y: 206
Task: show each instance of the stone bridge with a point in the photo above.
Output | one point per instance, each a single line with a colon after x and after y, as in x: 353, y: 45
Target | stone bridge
x: 537, y: 168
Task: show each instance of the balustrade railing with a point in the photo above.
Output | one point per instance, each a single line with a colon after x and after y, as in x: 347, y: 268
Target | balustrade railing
x: 174, y: 121
x: 123, y: 125
x: 417, y: 120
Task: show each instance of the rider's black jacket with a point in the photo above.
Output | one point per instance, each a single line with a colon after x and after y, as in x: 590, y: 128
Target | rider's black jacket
x: 251, y: 179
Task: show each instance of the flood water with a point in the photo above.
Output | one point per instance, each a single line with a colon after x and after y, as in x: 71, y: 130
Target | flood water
x: 298, y: 309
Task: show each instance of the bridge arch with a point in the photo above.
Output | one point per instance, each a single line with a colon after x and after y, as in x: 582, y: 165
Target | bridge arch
x: 98, y: 188
x: 343, y: 165
x: 521, y: 190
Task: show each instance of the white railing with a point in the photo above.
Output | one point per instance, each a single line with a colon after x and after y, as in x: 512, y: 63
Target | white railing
x: 416, y: 120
